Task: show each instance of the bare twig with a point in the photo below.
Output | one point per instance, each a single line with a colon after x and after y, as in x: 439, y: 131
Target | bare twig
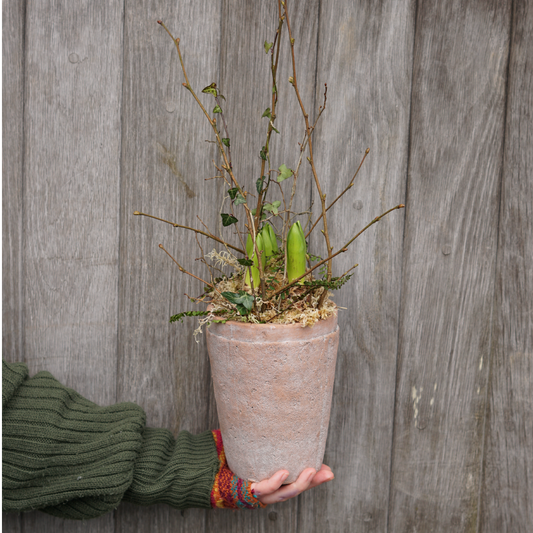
x: 191, y: 229
x: 350, y: 185
x: 213, y: 123
x: 322, y: 196
x: 274, y: 68
x: 186, y: 271
x: 330, y: 257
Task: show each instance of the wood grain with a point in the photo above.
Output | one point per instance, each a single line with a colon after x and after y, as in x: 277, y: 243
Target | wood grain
x: 365, y: 56
x: 13, y: 21
x: 73, y: 73
x: 508, y: 460
x: 165, y: 161
x: 13, y: 14
x: 457, y: 118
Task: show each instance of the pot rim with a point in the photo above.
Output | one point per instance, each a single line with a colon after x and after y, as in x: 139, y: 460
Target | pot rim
x: 250, y: 332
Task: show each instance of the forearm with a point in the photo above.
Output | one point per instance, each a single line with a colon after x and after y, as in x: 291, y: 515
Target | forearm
x: 177, y: 471
x: 69, y: 457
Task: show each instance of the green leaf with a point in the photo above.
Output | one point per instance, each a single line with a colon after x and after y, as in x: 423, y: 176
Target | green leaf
x: 274, y: 89
x: 259, y: 184
x: 268, y: 46
x: 233, y: 192
x: 273, y: 207
x: 245, y: 262
x: 284, y: 173
x: 242, y: 300
x: 276, y: 130
x: 228, y: 220
x: 225, y: 141
x: 179, y: 316
x: 240, y: 199
x: 263, y: 154
x: 210, y: 89
x: 217, y: 109
x: 267, y: 113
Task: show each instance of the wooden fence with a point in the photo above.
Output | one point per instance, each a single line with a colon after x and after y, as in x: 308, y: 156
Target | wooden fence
x: 432, y: 420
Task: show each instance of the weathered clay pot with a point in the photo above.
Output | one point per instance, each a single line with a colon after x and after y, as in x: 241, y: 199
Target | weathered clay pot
x: 273, y: 386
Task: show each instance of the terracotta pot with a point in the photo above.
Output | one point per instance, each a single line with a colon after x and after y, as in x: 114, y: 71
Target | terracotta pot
x: 273, y: 386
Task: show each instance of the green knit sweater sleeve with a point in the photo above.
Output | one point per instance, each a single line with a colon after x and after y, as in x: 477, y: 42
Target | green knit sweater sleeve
x: 71, y: 458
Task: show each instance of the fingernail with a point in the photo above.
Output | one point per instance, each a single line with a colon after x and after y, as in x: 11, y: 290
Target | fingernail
x: 284, y: 476
x: 311, y: 475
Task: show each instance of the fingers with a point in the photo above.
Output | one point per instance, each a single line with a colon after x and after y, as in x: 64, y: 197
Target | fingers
x: 293, y: 489
x: 268, y: 486
x: 322, y: 476
x: 272, y: 491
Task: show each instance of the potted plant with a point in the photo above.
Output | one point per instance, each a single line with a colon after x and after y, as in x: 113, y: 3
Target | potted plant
x: 272, y: 331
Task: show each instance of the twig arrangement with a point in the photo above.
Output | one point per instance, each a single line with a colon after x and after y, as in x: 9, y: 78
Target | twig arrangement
x: 269, y: 283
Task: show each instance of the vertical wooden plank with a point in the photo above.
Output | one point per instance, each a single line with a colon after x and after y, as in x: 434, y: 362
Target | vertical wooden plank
x: 13, y: 19
x: 460, y: 63
x: 165, y: 161
x: 13, y: 14
x: 245, y: 81
x: 365, y: 56
x: 72, y: 140
x: 507, y: 490
x: 73, y: 70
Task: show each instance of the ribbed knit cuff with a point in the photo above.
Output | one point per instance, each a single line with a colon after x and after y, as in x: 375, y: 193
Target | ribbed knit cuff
x: 178, y: 472
x: 230, y: 491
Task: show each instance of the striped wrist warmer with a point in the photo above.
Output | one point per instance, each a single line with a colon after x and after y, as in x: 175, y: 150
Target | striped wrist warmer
x: 230, y: 491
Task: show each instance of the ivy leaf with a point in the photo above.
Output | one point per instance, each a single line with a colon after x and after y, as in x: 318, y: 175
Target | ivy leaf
x: 284, y: 173
x: 210, y: 89
x: 267, y: 113
x: 242, y: 300
x: 225, y: 141
x: 259, y: 184
x: 273, y: 207
x: 262, y: 153
x: 240, y: 199
x: 268, y: 46
x: 233, y: 192
x: 217, y: 109
x: 228, y: 220
x: 245, y: 262
x: 179, y: 316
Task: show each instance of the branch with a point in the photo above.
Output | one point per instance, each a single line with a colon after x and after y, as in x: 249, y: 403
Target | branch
x: 192, y: 229
x: 350, y: 185
x: 186, y: 271
x: 330, y: 257
x: 212, y: 122
x: 309, y: 141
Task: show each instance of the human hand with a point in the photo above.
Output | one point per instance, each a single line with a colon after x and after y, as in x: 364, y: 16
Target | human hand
x: 272, y: 490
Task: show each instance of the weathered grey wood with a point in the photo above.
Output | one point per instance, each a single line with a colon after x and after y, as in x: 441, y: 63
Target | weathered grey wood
x: 457, y: 118
x: 12, y: 176
x: 12, y: 193
x: 365, y: 56
x: 506, y: 493
x: 165, y: 161
x: 73, y: 60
